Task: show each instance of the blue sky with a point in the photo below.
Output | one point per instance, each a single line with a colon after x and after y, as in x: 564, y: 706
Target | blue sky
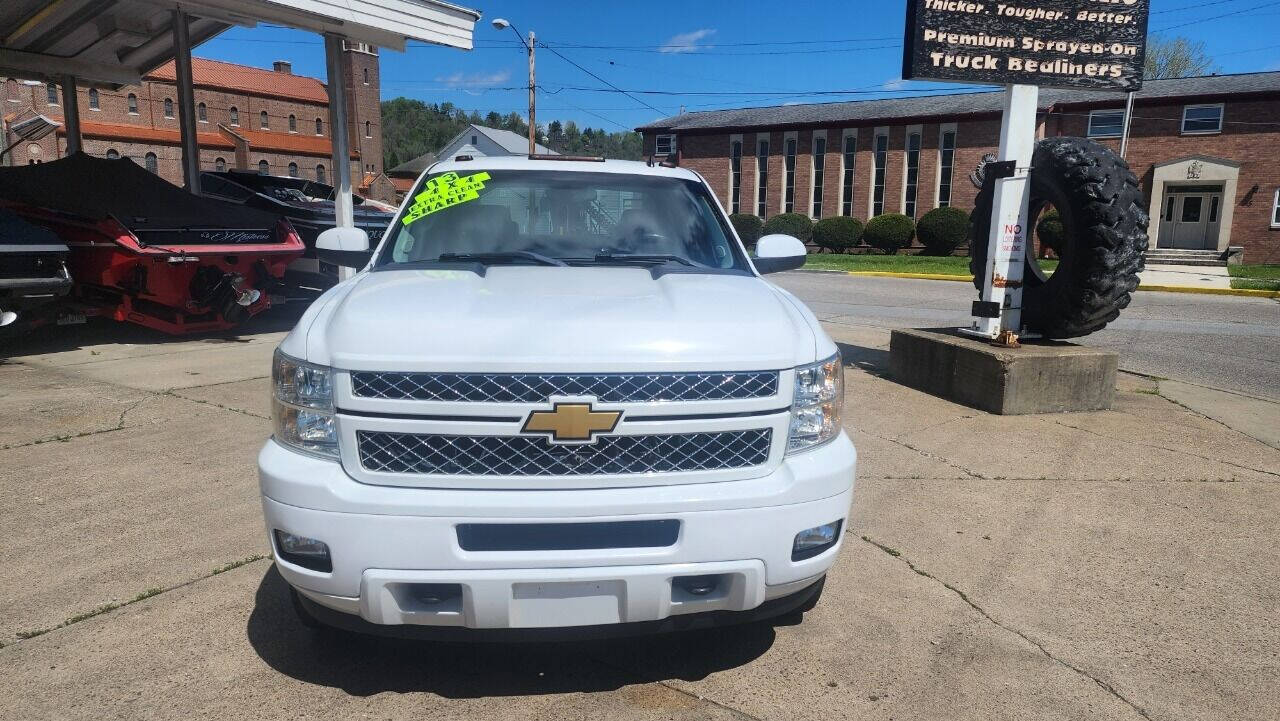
x: 715, y: 54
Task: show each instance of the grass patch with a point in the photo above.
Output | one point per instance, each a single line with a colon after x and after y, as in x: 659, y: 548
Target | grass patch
x: 933, y: 265
x: 1255, y: 277
x: 236, y: 564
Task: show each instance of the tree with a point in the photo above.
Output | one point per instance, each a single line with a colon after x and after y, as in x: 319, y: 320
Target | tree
x: 1176, y: 57
x: 556, y: 131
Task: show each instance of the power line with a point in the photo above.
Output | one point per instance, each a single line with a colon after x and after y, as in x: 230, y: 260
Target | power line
x: 1218, y: 17
x: 606, y: 82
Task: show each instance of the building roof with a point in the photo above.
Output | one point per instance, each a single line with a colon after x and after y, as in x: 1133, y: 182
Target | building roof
x: 403, y: 185
x: 413, y: 167
x: 146, y: 134
x: 510, y: 142
x: 243, y: 78
x: 959, y: 104
x: 280, y: 142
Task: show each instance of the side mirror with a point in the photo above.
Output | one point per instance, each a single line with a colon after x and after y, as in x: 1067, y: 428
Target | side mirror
x: 347, y: 247
x: 776, y: 253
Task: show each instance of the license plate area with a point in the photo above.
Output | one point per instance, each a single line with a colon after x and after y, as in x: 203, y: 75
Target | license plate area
x: 576, y: 603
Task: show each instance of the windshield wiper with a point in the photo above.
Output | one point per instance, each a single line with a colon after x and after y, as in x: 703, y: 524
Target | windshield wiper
x: 490, y: 258
x: 644, y: 258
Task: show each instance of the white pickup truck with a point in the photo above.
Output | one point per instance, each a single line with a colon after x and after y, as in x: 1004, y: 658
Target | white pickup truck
x: 559, y: 397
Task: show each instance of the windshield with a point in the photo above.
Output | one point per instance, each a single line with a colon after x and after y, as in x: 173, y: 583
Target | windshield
x: 521, y: 216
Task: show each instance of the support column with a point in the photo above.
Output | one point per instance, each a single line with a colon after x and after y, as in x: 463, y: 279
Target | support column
x: 186, y: 102
x: 342, y: 204
x: 71, y: 113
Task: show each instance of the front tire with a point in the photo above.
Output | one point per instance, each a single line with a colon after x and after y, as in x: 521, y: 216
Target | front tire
x: 1104, y: 240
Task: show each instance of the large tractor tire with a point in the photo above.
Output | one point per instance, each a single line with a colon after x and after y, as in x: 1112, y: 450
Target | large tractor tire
x: 1104, y: 240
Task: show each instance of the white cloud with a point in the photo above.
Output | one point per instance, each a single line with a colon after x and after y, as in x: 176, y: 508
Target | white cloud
x: 686, y: 42
x: 461, y: 79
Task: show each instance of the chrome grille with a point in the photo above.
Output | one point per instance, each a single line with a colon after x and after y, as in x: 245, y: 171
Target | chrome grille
x: 431, y: 454
x: 537, y: 388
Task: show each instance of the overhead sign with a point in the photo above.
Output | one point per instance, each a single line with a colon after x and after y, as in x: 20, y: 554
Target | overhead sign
x: 1087, y: 44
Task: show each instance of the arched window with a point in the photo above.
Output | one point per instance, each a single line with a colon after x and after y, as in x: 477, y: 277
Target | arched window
x: 366, y: 76
x: 168, y: 107
x: 220, y: 165
x: 293, y: 123
x: 93, y: 99
x: 320, y: 176
x: 262, y: 119
x: 263, y: 167
x: 151, y: 163
x: 113, y: 154
x: 133, y: 104
x: 202, y: 113
x: 235, y: 115
x: 293, y: 170
x: 11, y: 91
x: 52, y: 91
x: 368, y: 129
x: 319, y: 126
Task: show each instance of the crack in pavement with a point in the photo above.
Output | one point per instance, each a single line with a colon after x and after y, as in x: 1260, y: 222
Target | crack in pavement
x: 149, y: 593
x: 985, y: 614
x: 241, y: 411
x: 1170, y: 450
x: 922, y: 452
x: 83, y: 434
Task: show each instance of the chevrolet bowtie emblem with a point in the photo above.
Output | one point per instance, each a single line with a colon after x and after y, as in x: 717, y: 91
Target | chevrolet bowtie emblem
x: 570, y: 422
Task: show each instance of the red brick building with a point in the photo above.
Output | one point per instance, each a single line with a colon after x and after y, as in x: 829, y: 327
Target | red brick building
x: 1207, y: 150
x: 247, y: 118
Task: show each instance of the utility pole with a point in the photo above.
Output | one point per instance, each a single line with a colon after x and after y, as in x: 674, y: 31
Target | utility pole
x: 1128, y: 122
x: 533, y: 116
x: 502, y: 24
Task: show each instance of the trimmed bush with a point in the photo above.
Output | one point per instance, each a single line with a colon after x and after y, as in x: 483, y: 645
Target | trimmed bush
x: 837, y: 234
x: 1050, y: 231
x: 942, y: 230
x: 749, y: 227
x: 793, y: 224
x: 890, y: 232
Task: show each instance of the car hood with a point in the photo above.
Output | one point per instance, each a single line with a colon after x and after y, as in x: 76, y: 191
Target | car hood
x: 537, y: 318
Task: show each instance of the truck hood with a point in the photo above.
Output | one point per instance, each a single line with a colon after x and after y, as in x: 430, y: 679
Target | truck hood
x: 544, y: 319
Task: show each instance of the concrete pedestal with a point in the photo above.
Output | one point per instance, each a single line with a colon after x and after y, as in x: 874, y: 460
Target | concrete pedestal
x: 1039, y: 377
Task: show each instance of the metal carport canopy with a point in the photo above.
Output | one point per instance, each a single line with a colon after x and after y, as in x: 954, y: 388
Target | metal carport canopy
x: 116, y: 42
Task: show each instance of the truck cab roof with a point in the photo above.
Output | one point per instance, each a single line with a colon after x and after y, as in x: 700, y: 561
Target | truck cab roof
x: 519, y: 162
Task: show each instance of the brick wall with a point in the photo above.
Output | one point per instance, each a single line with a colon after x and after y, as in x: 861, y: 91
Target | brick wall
x: 1250, y: 137
x: 113, y: 108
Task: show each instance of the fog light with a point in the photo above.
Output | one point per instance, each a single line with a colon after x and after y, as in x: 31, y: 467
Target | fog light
x: 303, y: 551
x: 698, y: 585
x: 813, y: 541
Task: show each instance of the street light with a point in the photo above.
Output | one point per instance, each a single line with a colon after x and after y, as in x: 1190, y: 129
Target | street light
x: 501, y: 24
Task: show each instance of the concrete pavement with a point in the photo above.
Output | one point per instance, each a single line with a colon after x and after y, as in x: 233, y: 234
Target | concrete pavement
x: 1118, y: 564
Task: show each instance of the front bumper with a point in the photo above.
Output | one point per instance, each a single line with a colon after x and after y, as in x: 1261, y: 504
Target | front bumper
x: 385, y: 542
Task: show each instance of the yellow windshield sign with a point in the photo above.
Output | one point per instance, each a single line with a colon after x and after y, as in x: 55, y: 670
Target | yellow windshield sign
x: 445, y: 191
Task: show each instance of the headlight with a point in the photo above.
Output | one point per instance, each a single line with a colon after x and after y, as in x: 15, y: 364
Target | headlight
x: 302, y: 406
x: 818, y: 403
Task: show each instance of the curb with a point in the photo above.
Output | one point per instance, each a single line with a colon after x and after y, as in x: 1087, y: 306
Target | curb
x: 1240, y: 292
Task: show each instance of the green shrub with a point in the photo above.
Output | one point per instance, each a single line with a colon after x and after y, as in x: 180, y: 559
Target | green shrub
x: 890, y: 232
x: 793, y: 224
x: 837, y: 234
x: 1050, y: 231
x: 942, y: 230
x: 749, y: 227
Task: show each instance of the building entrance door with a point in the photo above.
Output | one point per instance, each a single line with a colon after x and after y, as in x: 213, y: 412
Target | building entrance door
x: 1192, y: 217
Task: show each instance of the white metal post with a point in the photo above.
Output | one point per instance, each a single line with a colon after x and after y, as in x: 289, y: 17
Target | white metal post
x: 1007, y: 248
x: 186, y: 101
x: 1128, y: 123
x: 71, y: 113
x: 343, y: 206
